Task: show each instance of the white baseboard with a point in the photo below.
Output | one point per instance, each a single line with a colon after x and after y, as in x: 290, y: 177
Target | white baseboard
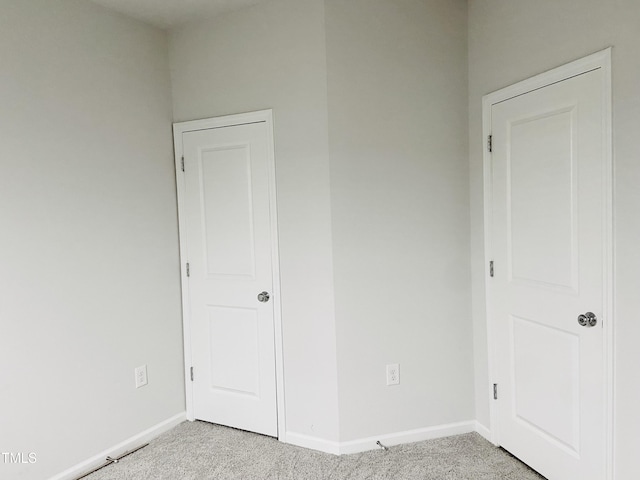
x: 298, y: 439
x: 313, y: 443
x: 120, y: 448
x: 364, y: 444
x: 483, y: 431
x: 409, y: 436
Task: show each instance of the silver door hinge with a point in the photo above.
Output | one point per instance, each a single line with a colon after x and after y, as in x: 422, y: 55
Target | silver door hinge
x: 191, y: 373
x: 188, y: 270
x: 495, y: 391
x: 491, y: 268
x: 490, y: 143
x: 182, y: 163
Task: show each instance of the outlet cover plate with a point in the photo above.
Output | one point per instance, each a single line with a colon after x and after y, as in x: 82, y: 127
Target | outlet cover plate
x: 141, y: 376
x: 393, y: 374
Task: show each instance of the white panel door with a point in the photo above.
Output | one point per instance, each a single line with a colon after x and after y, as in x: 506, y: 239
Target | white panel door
x: 227, y: 229
x: 547, y: 239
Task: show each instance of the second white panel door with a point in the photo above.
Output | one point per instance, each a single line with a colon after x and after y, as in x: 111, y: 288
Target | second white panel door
x: 548, y: 239
x: 229, y: 248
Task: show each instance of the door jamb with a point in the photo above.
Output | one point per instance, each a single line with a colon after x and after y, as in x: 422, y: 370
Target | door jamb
x: 598, y: 60
x: 265, y: 116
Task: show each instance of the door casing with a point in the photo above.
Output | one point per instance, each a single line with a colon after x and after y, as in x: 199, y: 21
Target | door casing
x: 599, y: 60
x: 265, y: 116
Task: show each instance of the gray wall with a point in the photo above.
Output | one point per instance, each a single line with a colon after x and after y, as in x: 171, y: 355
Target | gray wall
x: 89, y: 283
x: 397, y: 82
x: 372, y: 170
x: 510, y: 41
x: 273, y: 56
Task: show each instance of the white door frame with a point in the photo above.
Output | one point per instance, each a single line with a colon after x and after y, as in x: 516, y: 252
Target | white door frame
x: 599, y: 60
x: 219, y: 122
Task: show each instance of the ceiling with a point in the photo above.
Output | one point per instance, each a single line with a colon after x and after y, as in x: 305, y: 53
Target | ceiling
x: 171, y: 13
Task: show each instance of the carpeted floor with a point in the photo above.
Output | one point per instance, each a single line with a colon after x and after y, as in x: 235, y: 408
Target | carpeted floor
x: 202, y: 451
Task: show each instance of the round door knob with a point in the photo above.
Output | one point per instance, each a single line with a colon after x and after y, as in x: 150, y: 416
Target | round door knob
x: 588, y: 320
x: 263, y: 297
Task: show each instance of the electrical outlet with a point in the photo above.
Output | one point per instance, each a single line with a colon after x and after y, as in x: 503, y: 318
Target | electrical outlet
x: 393, y: 374
x: 141, y: 376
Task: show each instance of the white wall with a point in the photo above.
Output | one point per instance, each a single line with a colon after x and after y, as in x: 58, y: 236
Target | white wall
x: 273, y: 56
x: 510, y: 40
x: 89, y: 277
x: 397, y: 85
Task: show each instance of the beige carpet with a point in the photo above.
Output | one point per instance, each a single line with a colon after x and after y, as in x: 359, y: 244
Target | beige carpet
x: 202, y: 451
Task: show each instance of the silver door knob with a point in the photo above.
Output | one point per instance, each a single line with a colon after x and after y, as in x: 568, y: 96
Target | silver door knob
x: 588, y: 320
x: 263, y: 297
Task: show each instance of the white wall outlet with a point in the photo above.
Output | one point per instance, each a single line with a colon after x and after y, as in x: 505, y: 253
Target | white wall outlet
x: 141, y: 376
x: 393, y: 374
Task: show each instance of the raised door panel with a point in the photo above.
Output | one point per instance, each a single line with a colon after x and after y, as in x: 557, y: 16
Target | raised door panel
x: 228, y: 211
x: 542, y: 218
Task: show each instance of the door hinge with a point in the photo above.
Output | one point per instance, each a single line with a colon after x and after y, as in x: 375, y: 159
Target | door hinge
x: 491, y: 268
x: 191, y: 371
x: 188, y: 270
x: 495, y: 391
x: 490, y: 143
x: 182, y: 163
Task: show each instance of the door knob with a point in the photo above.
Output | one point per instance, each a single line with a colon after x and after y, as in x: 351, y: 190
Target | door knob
x: 588, y: 320
x: 263, y: 297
